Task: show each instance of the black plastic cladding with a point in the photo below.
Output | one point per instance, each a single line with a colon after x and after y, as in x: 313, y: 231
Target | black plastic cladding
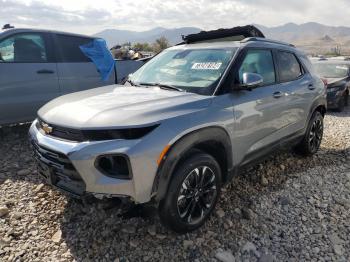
x: 97, y: 135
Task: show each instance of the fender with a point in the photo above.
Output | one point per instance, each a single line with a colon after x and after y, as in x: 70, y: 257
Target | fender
x: 319, y: 101
x: 181, y: 147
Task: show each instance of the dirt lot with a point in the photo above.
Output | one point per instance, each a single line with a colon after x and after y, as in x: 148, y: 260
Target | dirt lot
x: 286, y: 209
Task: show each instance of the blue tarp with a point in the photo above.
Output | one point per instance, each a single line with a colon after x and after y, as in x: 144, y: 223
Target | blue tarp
x: 98, y: 52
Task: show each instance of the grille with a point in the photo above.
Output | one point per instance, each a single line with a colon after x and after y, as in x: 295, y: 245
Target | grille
x: 64, y: 133
x: 67, y: 134
x: 58, y: 170
x: 96, y: 135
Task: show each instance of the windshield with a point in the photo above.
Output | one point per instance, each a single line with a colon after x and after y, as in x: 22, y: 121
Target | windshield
x: 192, y: 70
x: 332, y: 70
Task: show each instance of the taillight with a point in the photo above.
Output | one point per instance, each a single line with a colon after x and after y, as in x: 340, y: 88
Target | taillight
x: 325, y: 82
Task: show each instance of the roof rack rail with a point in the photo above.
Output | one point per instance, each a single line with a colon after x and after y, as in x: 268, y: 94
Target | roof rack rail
x: 250, y: 39
x: 7, y: 26
x: 239, y: 31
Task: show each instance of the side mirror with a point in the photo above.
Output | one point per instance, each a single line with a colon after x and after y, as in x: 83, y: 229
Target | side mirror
x: 251, y: 80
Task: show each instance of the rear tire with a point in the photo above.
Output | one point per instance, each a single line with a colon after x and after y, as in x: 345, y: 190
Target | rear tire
x: 313, y: 136
x: 192, y: 194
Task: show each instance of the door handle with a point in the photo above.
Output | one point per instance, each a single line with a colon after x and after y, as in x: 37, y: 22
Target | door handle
x: 277, y: 94
x: 45, y: 71
x: 311, y: 87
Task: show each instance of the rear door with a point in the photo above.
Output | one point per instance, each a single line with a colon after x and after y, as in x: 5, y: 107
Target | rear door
x: 28, y: 76
x: 297, y: 86
x: 260, y: 114
x: 76, y: 71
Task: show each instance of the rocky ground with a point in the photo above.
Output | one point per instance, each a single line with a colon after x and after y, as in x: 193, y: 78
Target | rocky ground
x: 286, y: 209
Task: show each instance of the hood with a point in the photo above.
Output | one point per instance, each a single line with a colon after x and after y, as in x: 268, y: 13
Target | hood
x: 331, y: 81
x: 119, y: 107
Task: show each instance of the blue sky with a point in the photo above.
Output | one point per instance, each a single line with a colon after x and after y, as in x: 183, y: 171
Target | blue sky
x: 91, y: 16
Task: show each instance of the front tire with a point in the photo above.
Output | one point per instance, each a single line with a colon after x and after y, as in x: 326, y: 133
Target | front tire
x: 193, y: 193
x: 313, y: 136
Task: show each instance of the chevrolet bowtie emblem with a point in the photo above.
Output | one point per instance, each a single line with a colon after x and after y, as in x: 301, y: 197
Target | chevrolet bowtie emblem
x: 47, y: 129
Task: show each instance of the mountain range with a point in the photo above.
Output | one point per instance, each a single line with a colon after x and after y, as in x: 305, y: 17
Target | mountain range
x: 115, y: 36
x: 313, y: 37
x: 304, y: 32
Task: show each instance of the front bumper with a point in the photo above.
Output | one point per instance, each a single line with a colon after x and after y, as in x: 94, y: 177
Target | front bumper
x: 70, y: 166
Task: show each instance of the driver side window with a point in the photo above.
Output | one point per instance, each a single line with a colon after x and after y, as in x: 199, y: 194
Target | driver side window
x: 258, y: 62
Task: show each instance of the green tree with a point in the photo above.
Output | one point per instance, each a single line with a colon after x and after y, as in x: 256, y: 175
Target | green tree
x: 128, y: 44
x: 142, y: 47
x: 160, y: 44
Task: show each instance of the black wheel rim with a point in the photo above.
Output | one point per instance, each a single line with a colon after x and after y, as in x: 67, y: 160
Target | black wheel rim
x: 197, y: 195
x: 315, y: 136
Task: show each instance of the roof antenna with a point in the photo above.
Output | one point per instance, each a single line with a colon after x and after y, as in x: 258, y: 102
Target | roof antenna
x: 7, y: 26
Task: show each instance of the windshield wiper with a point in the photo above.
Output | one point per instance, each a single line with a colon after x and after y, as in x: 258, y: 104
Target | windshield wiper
x: 131, y: 82
x: 163, y: 86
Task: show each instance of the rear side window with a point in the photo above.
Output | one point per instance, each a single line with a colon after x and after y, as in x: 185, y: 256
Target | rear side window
x: 288, y: 66
x: 23, y: 48
x: 306, y: 63
x: 259, y: 62
x: 68, y: 47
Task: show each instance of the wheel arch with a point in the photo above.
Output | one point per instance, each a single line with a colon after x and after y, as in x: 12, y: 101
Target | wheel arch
x: 213, y: 140
x: 319, y: 105
x: 322, y: 109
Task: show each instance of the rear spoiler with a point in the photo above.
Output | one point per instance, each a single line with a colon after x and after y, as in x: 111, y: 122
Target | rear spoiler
x: 238, y: 33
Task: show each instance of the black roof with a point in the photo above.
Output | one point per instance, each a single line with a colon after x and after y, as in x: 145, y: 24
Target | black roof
x: 239, y: 31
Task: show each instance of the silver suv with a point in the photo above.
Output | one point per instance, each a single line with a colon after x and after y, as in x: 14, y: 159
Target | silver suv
x: 183, y: 125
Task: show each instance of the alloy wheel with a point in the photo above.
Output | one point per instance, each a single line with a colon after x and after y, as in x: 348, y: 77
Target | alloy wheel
x: 315, y: 136
x: 197, y: 195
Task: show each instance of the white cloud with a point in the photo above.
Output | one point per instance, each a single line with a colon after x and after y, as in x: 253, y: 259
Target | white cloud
x: 90, y: 16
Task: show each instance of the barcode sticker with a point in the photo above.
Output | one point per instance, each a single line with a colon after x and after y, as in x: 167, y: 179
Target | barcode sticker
x: 206, y: 66
x: 342, y: 67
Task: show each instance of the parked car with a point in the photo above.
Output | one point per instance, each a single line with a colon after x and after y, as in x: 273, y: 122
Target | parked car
x: 39, y: 65
x: 183, y: 125
x: 337, y: 77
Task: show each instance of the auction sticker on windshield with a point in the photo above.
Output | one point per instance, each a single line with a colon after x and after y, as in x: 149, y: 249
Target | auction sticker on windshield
x: 342, y: 67
x: 207, y: 66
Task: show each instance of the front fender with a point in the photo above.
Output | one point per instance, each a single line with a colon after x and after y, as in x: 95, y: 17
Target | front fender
x: 181, y: 147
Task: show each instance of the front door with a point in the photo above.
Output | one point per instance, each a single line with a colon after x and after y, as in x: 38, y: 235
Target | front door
x: 28, y: 77
x: 259, y: 113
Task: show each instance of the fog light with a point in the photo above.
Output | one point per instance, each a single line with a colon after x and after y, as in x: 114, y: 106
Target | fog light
x: 116, y: 166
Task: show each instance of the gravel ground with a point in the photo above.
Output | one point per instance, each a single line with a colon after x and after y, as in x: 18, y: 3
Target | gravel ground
x: 286, y: 209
